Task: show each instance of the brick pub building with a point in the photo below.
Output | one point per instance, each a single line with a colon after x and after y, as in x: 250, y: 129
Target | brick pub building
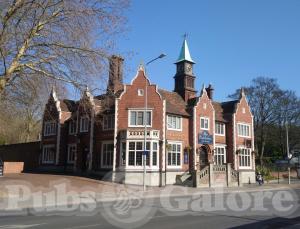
x: 188, y: 134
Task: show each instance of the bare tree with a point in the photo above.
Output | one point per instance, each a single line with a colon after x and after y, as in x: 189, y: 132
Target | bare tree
x: 67, y: 40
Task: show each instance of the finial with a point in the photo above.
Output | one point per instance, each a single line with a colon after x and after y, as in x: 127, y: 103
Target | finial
x: 242, y: 93
x: 142, y: 66
x: 185, y: 36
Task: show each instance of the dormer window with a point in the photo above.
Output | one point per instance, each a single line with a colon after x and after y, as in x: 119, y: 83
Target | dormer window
x: 50, y: 128
x: 84, y: 124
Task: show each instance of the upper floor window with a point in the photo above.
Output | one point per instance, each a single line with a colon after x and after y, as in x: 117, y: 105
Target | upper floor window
x: 71, y: 153
x: 108, y: 122
x: 84, y: 124
x: 220, y: 128
x: 136, y: 118
x: 50, y: 128
x: 204, y: 123
x: 72, y: 127
x: 243, y: 130
x: 174, y: 122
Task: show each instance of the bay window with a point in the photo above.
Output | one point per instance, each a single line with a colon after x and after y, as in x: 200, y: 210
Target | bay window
x: 136, y: 150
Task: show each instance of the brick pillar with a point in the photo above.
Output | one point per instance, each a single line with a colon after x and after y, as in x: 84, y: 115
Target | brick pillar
x: 211, y: 174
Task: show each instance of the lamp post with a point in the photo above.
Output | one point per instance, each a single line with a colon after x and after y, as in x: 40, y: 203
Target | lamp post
x: 145, y: 123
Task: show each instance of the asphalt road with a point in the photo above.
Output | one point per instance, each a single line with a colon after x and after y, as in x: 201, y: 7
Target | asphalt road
x: 279, y: 209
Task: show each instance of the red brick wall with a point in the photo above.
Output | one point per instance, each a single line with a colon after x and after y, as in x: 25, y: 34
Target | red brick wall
x: 202, y: 112
x: 182, y: 136
x: 13, y: 167
x: 27, y: 153
x: 130, y: 99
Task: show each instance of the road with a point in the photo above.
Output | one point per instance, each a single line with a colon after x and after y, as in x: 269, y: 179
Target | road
x: 227, y: 211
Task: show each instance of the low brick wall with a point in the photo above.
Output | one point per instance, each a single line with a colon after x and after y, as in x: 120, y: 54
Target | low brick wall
x: 13, y: 167
x: 25, y: 154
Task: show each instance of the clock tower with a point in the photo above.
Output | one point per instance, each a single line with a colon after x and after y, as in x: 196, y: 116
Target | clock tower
x: 184, y: 77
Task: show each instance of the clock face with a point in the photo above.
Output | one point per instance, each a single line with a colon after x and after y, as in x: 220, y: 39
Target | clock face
x: 189, y: 68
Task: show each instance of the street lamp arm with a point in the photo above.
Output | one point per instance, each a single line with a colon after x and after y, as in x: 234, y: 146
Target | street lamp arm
x: 159, y: 57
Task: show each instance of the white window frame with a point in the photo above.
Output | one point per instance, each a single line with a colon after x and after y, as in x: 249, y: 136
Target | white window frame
x: 70, y: 146
x: 223, y: 127
x: 139, y: 110
x: 50, y: 128
x: 181, y: 155
x: 106, y: 166
x: 44, y: 151
x: 74, y: 131
x: 81, y: 124
x: 140, y: 92
x: 217, y: 153
x: 245, y: 125
x: 139, y: 167
x: 241, y: 149
x: 204, y: 118
x: 176, y: 117
x: 112, y: 122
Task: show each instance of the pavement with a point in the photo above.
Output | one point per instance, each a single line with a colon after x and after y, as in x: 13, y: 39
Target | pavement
x: 99, y: 204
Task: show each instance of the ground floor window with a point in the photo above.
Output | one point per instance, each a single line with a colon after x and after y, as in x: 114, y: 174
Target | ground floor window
x: 174, y: 154
x: 48, y: 155
x: 71, y: 153
x: 220, y: 155
x: 136, y: 151
x: 107, y: 154
x: 245, y: 157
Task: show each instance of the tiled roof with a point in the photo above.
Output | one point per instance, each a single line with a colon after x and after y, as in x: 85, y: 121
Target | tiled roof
x: 68, y: 105
x: 174, y: 102
x: 224, y: 110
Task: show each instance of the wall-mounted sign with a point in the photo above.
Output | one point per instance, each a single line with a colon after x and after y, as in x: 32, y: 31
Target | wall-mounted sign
x: 205, y: 138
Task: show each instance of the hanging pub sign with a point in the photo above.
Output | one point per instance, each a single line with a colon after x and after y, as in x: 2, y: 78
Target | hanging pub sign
x: 248, y: 143
x: 205, y: 138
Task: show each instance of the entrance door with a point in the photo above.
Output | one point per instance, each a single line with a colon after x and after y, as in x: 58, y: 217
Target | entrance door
x: 203, y: 157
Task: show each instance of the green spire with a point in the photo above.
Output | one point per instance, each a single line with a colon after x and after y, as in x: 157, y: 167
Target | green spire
x: 184, y: 52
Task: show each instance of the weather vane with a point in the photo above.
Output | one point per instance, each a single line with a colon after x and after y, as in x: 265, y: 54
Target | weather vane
x: 185, y: 35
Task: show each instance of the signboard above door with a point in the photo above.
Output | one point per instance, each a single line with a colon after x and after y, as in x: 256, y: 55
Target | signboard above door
x: 205, y: 138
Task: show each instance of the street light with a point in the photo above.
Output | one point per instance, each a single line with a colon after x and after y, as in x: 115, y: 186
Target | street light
x: 145, y: 124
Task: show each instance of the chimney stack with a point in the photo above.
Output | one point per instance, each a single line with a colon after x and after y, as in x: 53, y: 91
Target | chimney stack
x: 210, y: 91
x: 115, y: 80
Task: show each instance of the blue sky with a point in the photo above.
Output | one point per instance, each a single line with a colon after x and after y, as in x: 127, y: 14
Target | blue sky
x: 231, y: 41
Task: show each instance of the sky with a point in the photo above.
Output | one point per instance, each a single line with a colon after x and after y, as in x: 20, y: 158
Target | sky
x: 231, y: 41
